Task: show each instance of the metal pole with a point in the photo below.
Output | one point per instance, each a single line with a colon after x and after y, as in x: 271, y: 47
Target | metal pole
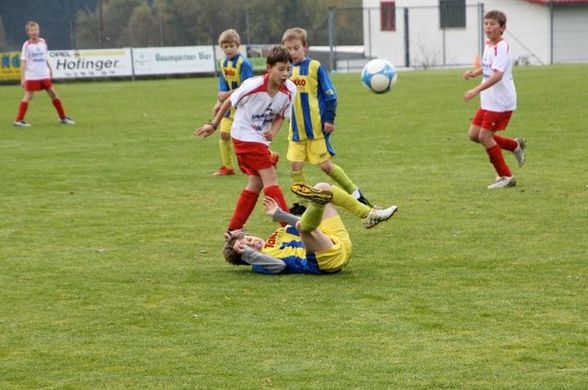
x: 101, y: 25
x: 160, y: 30
x: 332, y: 39
x: 406, y: 39
x: 369, y: 33
x: 551, y: 32
x: 481, y: 29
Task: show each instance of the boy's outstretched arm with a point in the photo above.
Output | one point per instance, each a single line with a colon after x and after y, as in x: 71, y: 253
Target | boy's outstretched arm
x: 496, y: 77
x: 271, y: 208
x: 209, y: 127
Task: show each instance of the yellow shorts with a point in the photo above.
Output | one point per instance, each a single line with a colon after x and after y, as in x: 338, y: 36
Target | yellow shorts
x: 225, y: 125
x: 337, y: 256
x: 312, y: 151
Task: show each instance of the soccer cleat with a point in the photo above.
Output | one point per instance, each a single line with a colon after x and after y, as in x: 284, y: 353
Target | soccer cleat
x: 305, y: 191
x: 363, y: 199
x: 224, y: 171
x: 66, y: 120
x: 297, y: 209
x: 503, y: 182
x: 22, y: 124
x: 274, y: 157
x: 375, y: 216
x: 519, y: 152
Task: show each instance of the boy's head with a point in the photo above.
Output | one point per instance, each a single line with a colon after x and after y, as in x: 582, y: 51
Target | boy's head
x: 278, y: 64
x: 229, y: 41
x: 497, y: 16
x: 294, y: 39
x: 229, y: 252
x: 295, y: 33
x: 277, y: 54
x: 238, y: 239
x: 32, y: 28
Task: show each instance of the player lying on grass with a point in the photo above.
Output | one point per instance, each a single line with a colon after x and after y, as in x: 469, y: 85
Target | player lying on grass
x: 315, y: 243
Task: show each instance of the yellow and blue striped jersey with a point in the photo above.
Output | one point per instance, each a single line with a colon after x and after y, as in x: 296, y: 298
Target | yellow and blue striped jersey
x: 315, y: 88
x: 285, y: 244
x: 233, y: 71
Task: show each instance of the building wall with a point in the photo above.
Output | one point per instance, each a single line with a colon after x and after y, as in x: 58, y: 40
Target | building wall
x: 570, y: 40
x: 528, y: 33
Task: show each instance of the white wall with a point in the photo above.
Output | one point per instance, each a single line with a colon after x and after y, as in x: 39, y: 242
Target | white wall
x: 528, y: 32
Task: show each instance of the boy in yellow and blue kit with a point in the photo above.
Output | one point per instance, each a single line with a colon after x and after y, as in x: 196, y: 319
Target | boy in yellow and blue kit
x: 313, y: 119
x: 315, y: 243
x: 234, y: 69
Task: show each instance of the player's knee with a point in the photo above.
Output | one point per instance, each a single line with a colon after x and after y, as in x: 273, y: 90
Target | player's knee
x: 322, y: 186
x: 474, y: 137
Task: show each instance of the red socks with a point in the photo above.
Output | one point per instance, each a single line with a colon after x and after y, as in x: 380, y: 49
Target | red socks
x: 22, y: 110
x: 59, y: 108
x: 243, y: 209
x: 276, y: 193
x: 506, y: 143
x: 496, y: 158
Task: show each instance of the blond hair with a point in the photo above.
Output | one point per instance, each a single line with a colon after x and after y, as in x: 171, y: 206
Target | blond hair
x: 31, y: 23
x: 229, y: 36
x: 295, y: 33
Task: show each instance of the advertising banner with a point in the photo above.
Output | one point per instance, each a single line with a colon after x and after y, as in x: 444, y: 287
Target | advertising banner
x: 173, y: 60
x: 10, y: 65
x: 67, y: 64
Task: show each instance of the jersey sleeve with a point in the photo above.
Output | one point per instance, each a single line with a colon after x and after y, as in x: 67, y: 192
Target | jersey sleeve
x: 223, y: 86
x: 325, y: 85
x: 239, y: 93
x: 501, y: 57
x: 246, y: 70
x: 23, y: 52
x: 262, y: 263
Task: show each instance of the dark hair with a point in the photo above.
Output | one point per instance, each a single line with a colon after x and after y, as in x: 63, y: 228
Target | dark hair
x: 278, y: 54
x: 232, y: 256
x: 499, y: 16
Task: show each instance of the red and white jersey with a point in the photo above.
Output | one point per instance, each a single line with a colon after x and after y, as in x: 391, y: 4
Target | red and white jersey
x: 502, y: 96
x: 256, y: 110
x: 35, y: 55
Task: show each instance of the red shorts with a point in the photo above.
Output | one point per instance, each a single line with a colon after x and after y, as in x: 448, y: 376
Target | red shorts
x: 37, y: 85
x: 491, y: 120
x: 252, y: 157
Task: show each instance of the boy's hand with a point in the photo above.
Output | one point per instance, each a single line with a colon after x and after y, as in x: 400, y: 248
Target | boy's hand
x: 205, y: 130
x: 329, y: 127
x: 469, y: 95
x: 269, y: 135
x: 270, y: 206
x: 469, y: 74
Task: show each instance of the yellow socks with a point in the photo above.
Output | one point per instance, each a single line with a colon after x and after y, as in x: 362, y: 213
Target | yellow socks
x: 226, y: 152
x: 341, y: 178
x: 349, y: 203
x: 312, y: 217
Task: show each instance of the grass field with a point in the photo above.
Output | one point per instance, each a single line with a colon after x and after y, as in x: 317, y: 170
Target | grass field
x: 110, y: 237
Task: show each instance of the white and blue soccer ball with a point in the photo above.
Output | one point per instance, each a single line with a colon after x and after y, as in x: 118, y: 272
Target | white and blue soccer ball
x: 379, y: 76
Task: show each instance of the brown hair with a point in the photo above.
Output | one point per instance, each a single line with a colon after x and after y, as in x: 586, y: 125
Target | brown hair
x: 232, y: 256
x: 499, y: 16
x: 229, y: 36
x: 295, y: 33
x: 31, y: 23
x: 278, y: 54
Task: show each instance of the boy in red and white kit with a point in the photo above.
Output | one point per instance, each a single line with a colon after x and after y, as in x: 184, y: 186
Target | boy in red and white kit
x: 498, y: 99
x: 262, y: 103
x: 36, y: 75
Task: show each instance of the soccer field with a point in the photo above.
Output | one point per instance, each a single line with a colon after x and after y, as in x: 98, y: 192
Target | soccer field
x: 111, y: 230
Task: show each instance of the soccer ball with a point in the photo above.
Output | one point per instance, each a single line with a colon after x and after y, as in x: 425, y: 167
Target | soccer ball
x: 379, y: 76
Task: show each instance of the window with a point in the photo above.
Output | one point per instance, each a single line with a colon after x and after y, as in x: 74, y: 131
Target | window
x: 452, y: 13
x: 388, y: 15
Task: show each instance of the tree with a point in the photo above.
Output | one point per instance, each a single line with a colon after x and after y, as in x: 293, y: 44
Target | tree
x: 143, y: 28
